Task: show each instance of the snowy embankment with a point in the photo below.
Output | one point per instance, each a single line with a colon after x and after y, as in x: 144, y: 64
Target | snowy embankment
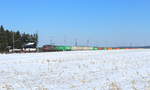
x: 76, y: 70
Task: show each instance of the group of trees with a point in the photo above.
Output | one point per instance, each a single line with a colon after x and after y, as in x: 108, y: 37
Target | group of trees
x: 10, y: 39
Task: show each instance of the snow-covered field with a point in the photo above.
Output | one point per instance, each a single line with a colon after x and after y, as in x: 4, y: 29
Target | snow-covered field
x: 76, y: 70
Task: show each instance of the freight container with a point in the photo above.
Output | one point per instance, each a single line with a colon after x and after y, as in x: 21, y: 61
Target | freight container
x: 60, y: 48
x: 87, y: 48
x: 95, y: 48
x: 109, y: 48
x: 105, y: 48
x: 100, y: 48
x: 77, y: 48
x: 63, y: 48
x: 67, y: 48
x: 81, y: 48
x: 117, y: 48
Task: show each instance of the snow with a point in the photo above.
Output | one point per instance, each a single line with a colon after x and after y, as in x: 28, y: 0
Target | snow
x: 76, y: 70
x: 28, y: 44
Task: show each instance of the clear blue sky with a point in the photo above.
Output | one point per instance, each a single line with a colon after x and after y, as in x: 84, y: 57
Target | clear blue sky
x: 102, y: 22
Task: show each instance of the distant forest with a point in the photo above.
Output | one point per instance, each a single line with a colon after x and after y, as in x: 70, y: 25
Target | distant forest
x: 8, y: 37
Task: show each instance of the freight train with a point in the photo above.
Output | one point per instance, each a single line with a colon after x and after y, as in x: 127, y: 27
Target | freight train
x: 49, y: 48
x: 53, y: 48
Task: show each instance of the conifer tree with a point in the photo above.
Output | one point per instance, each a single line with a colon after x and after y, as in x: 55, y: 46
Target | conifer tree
x: 6, y: 39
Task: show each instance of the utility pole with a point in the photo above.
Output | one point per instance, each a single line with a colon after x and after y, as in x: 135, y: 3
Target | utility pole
x: 51, y: 42
x: 76, y: 42
x: 87, y: 42
x: 130, y: 44
x: 64, y: 40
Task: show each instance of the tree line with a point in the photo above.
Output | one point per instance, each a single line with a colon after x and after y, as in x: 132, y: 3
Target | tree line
x: 10, y: 39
